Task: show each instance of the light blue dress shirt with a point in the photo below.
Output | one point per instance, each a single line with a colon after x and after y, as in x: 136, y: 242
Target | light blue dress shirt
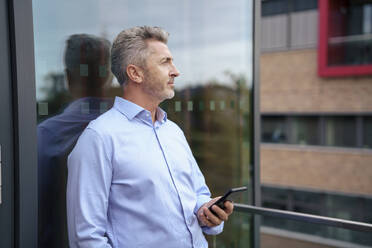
x: 134, y: 183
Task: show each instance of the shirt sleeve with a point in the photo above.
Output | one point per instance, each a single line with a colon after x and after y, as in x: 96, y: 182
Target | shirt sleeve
x: 203, y: 196
x: 88, y: 187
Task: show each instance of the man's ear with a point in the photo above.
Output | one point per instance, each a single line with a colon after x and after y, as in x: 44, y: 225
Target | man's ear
x: 135, y: 73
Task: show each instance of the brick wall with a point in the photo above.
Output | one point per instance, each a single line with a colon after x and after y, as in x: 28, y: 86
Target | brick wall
x: 290, y: 83
x: 331, y: 169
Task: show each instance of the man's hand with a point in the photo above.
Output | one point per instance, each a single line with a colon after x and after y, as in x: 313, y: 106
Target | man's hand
x: 207, y: 218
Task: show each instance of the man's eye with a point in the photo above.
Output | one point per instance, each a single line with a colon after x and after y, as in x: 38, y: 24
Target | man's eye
x: 166, y: 61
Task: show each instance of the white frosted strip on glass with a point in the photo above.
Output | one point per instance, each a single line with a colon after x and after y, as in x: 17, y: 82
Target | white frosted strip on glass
x: 102, y: 71
x: 190, y: 106
x: 212, y: 105
x: 177, y: 106
x: 201, y: 106
x: 103, y: 107
x: 84, y: 70
x: 222, y: 105
x: 85, y: 108
x: 42, y: 108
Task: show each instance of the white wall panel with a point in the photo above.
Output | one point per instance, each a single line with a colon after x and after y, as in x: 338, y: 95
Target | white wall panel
x: 304, y: 29
x: 274, y: 32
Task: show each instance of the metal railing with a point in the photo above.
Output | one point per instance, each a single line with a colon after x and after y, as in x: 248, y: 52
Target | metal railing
x: 350, y: 38
x: 308, y: 218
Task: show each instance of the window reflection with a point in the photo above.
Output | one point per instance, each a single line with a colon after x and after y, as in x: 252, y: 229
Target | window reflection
x: 86, y: 60
x: 211, y: 43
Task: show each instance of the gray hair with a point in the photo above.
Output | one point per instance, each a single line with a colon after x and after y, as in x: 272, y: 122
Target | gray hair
x: 130, y: 47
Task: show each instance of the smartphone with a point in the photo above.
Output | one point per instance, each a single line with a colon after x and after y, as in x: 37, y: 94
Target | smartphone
x: 229, y: 195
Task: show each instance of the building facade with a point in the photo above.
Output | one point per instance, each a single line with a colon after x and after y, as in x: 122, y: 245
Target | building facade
x: 316, y: 113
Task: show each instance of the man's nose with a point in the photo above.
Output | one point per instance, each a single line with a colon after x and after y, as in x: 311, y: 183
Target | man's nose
x: 174, y: 72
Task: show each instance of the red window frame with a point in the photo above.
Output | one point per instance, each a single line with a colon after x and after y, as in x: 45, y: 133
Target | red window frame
x: 324, y: 70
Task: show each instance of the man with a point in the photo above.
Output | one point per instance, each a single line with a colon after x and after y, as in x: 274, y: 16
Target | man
x: 132, y: 179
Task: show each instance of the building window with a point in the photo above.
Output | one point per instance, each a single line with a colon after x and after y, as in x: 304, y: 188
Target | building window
x: 290, y: 24
x: 367, y: 132
x: 338, y: 205
x: 345, y: 38
x: 302, y: 5
x: 331, y: 130
x: 274, y: 129
x: 305, y: 131
x: 276, y: 7
x: 340, y: 131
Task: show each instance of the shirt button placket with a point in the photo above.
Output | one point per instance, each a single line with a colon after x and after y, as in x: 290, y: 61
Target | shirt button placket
x: 190, y: 220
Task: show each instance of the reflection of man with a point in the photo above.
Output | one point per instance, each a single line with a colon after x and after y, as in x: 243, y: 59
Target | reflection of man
x: 86, y: 62
x: 132, y: 179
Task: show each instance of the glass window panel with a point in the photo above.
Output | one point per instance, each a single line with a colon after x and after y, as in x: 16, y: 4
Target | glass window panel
x: 341, y: 131
x: 350, y: 51
x: 274, y: 198
x: 302, y: 5
x: 274, y: 129
x: 211, y: 42
x: 274, y: 7
x: 350, y: 45
x: 305, y: 130
x: 367, y: 132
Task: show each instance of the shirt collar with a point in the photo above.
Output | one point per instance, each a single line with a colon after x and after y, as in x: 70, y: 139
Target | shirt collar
x: 161, y: 115
x: 131, y: 110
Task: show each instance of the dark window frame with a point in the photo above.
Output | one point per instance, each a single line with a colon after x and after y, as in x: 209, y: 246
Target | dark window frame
x: 24, y: 123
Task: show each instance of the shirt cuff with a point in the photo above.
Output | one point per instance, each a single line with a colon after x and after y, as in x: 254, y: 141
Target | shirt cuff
x: 207, y: 230
x: 213, y: 230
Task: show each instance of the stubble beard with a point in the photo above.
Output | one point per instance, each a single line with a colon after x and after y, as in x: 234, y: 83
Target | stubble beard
x: 157, y: 89
x: 171, y: 93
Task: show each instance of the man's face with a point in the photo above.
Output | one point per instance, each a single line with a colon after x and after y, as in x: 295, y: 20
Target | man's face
x: 159, y: 72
